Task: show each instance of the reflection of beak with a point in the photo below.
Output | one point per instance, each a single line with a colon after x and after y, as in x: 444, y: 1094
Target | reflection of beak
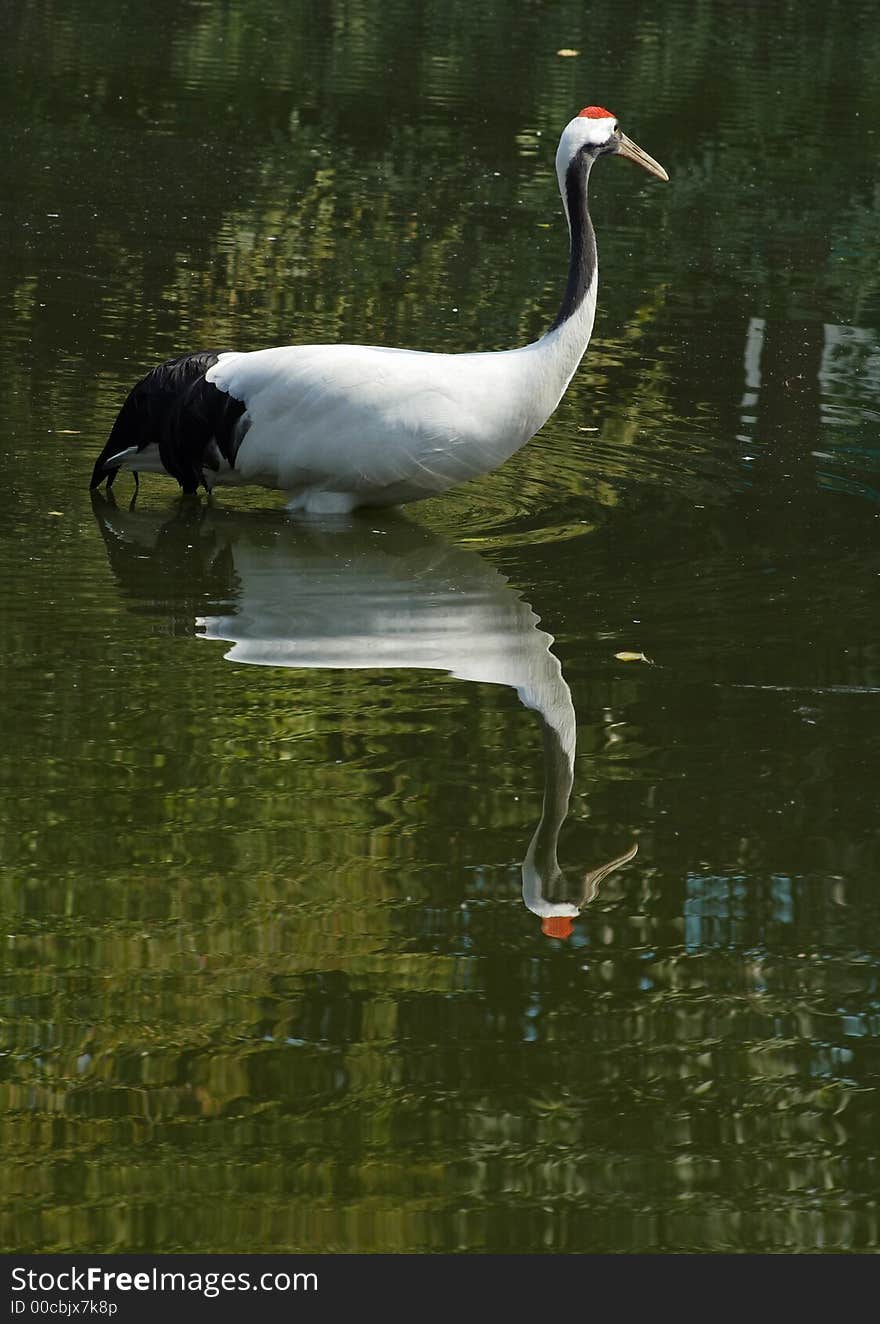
x: 628, y: 148
x: 595, y: 876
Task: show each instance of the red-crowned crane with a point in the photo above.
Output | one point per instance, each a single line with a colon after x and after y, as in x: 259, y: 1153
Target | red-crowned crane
x: 340, y: 426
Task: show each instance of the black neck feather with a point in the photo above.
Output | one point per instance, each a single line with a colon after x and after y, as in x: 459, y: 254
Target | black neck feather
x: 582, y: 262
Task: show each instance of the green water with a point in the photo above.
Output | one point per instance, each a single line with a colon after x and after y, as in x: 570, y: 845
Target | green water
x: 268, y: 977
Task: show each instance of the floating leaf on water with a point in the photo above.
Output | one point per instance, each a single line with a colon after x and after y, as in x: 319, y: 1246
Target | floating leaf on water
x: 567, y: 51
x: 631, y: 657
x: 57, y: 513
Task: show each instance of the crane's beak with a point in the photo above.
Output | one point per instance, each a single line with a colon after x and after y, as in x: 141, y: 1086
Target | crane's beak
x: 628, y: 148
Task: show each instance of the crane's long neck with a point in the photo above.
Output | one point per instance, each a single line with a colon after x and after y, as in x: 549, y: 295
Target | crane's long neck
x: 563, y: 346
x: 579, y: 300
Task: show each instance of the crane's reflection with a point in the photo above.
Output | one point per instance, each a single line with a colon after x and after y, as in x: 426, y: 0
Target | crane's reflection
x: 365, y: 594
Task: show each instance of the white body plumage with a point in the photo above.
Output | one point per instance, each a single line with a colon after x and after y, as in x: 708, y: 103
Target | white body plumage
x: 338, y: 426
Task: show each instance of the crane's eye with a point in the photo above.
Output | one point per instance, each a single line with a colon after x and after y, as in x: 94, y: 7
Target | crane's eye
x: 615, y: 128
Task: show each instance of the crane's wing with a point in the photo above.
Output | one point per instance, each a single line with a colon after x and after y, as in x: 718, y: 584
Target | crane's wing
x: 173, y: 409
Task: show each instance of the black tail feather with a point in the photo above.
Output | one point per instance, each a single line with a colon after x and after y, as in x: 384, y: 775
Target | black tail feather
x: 186, y: 416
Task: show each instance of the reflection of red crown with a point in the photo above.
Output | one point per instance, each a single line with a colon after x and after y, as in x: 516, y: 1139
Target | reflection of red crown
x: 557, y: 926
x: 595, y: 113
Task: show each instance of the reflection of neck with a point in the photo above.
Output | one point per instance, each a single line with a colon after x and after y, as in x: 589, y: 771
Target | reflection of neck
x: 542, y: 877
x: 544, y: 888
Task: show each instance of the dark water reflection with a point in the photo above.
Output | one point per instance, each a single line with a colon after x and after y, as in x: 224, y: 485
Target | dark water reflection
x: 378, y: 596
x: 268, y: 981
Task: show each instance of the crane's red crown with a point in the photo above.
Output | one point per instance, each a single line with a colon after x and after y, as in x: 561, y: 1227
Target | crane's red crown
x: 595, y: 113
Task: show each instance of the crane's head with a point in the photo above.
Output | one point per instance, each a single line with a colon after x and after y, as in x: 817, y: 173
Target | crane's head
x: 595, y: 132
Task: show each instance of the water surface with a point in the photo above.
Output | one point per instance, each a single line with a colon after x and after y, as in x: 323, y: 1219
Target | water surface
x: 290, y: 812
